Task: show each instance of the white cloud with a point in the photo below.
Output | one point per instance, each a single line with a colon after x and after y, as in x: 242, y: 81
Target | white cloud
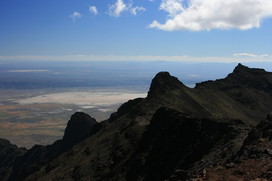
x: 200, y: 15
x: 75, y: 15
x: 194, y: 75
x: 117, y: 8
x: 173, y: 7
x: 93, y: 10
x: 250, y: 55
x: 120, y: 6
x: 136, y: 9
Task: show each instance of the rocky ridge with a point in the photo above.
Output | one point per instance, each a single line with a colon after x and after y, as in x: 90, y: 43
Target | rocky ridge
x: 78, y: 128
x: 8, y: 155
x: 175, y: 133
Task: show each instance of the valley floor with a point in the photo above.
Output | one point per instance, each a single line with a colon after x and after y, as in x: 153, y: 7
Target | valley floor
x: 39, y: 116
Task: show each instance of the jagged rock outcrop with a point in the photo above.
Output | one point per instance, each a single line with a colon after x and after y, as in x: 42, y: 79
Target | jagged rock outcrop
x: 252, y: 161
x: 176, y: 141
x: 78, y: 128
x: 245, y: 94
x: 242, y: 76
x: 125, y: 108
x: 262, y: 133
x: 163, y: 82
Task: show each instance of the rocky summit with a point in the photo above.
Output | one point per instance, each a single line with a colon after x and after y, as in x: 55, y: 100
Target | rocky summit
x: 218, y: 130
x: 79, y: 127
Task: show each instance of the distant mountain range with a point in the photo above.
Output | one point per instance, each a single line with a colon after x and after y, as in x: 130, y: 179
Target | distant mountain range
x: 218, y: 130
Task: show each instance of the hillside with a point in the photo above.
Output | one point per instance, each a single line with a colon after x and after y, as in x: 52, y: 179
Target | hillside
x: 175, y: 133
x: 8, y: 155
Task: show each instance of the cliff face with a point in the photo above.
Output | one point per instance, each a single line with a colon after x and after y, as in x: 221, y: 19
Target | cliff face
x: 175, y: 132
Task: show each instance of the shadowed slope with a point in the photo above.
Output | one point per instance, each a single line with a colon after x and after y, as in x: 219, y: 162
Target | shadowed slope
x: 195, y: 128
x: 8, y: 155
x: 78, y: 128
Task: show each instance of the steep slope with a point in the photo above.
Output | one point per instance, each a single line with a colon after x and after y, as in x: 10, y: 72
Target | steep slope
x: 8, y: 155
x: 79, y: 127
x: 174, y: 141
x: 245, y: 94
x: 254, y: 161
x: 211, y: 112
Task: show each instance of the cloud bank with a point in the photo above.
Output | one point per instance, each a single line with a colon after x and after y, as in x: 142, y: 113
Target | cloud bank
x: 237, y: 57
x: 198, y: 15
x: 250, y: 55
x: 173, y: 7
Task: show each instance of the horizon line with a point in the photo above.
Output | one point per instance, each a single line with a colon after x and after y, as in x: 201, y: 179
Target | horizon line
x: 235, y: 58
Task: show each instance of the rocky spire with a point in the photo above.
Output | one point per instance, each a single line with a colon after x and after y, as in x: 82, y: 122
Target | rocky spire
x: 79, y: 127
x: 164, y: 81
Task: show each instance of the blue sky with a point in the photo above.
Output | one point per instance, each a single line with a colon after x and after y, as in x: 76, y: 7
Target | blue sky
x: 175, y: 30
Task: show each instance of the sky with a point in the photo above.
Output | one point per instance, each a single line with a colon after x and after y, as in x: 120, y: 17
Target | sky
x: 172, y: 30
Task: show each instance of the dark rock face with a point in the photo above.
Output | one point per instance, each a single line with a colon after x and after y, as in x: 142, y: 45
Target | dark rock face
x: 125, y: 108
x: 252, y: 161
x: 248, y: 92
x: 243, y: 76
x: 33, y: 160
x: 262, y: 133
x: 8, y: 154
x: 79, y: 127
x: 252, y: 77
x: 162, y: 82
x: 167, y: 91
x: 174, y: 141
x: 269, y: 117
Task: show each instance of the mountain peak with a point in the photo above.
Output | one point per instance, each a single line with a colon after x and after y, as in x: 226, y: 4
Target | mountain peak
x: 244, y: 71
x: 251, y: 77
x: 163, y: 81
x: 78, y: 127
x: 240, y: 68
